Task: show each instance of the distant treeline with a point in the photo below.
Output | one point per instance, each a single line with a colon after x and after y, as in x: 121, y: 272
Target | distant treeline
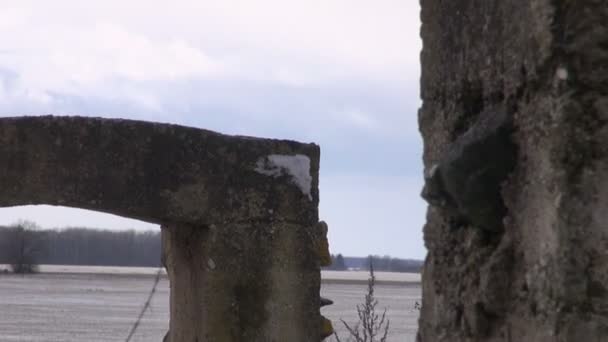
x: 96, y: 247
x: 381, y: 263
x: 86, y: 246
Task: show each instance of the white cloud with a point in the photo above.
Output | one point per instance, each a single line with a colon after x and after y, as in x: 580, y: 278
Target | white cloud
x: 114, y: 49
x: 74, y: 41
x: 12, y: 16
x: 83, y: 59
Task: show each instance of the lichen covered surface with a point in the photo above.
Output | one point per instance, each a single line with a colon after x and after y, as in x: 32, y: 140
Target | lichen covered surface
x: 150, y: 171
x: 258, y: 282
x: 542, y: 275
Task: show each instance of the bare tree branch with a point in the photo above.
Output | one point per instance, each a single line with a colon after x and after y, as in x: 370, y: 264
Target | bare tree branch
x: 370, y: 324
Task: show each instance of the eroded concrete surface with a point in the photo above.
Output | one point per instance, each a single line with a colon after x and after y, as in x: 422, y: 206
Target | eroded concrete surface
x: 516, y: 227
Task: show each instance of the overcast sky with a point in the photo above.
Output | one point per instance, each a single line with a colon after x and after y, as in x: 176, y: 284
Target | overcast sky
x: 341, y: 73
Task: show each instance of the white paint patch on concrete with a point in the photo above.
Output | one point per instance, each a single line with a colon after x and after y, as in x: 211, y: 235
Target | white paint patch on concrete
x: 562, y: 73
x: 297, y: 166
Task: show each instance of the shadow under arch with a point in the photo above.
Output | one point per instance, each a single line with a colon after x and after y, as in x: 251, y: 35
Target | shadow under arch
x: 239, y: 215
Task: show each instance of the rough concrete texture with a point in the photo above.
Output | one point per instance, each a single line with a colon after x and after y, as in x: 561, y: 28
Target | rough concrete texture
x: 530, y: 264
x: 241, y: 237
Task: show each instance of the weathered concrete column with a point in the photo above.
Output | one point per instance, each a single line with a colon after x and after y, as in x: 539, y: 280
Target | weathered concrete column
x: 242, y: 240
x: 515, y: 128
x: 248, y: 281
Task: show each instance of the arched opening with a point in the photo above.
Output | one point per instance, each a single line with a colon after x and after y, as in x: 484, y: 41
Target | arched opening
x: 239, y: 215
x: 96, y: 271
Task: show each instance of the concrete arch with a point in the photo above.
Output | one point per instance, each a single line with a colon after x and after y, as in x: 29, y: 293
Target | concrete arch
x: 153, y: 172
x: 239, y: 215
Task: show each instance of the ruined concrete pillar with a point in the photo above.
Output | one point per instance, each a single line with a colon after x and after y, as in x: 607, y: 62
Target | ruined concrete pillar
x: 514, y: 121
x: 243, y: 281
x: 242, y: 241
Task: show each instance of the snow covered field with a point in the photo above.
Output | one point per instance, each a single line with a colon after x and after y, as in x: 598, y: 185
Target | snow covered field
x: 102, y: 305
x: 328, y: 276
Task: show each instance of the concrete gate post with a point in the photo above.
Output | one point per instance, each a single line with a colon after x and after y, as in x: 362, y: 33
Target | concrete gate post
x: 243, y: 281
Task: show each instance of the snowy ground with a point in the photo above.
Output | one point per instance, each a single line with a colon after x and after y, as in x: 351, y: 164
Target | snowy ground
x: 328, y: 276
x: 98, y: 306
